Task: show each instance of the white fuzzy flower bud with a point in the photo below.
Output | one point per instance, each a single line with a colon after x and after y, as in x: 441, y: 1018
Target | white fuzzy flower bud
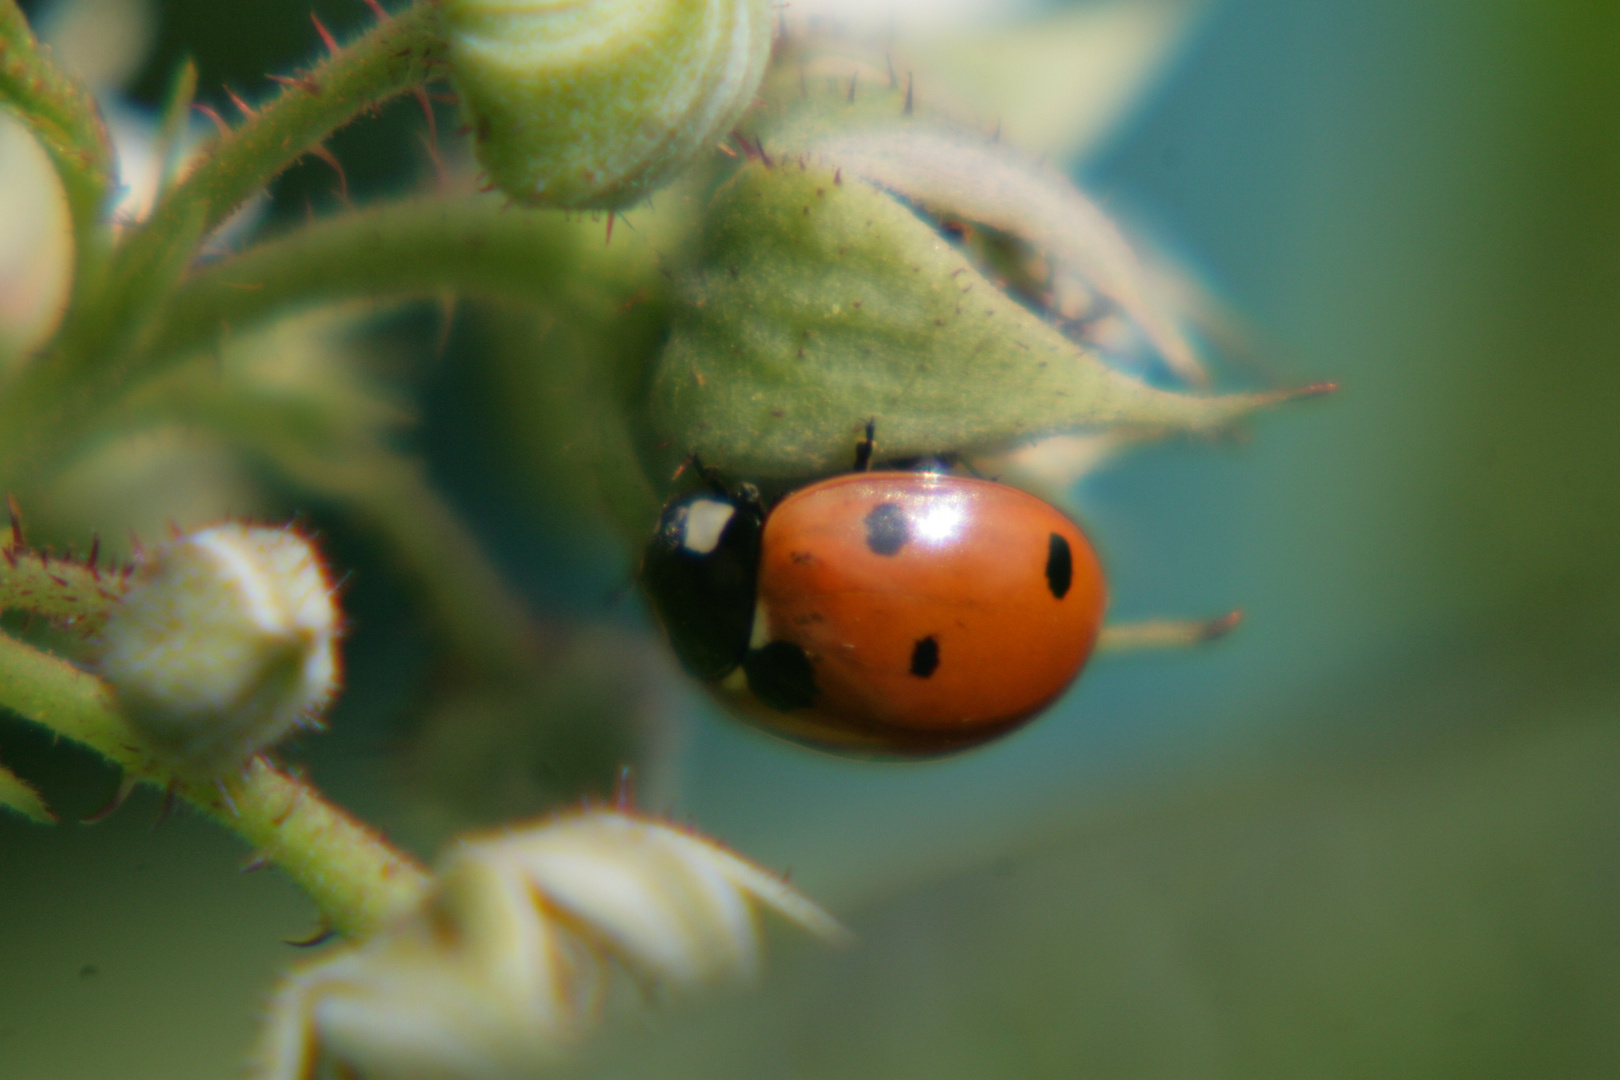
x: 226, y: 641
x: 510, y: 960
x: 594, y: 103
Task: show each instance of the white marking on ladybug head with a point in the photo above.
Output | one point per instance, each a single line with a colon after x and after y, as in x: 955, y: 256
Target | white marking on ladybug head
x: 706, y: 519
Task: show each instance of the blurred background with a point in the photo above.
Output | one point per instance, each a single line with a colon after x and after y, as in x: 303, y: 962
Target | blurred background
x: 1375, y: 832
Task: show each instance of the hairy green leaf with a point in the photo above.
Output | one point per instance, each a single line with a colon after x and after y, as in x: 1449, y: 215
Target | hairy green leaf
x: 819, y: 301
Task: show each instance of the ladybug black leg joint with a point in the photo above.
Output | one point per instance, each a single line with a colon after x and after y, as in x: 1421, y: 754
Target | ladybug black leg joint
x: 864, y: 448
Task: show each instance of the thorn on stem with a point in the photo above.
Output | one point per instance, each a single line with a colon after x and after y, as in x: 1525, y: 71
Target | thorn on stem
x: 241, y: 106
x: 208, y: 111
x: 423, y: 100
x: 343, y: 179
x: 166, y: 807
x: 321, y: 936
x: 126, y: 784
x: 326, y: 35
x: 305, y: 83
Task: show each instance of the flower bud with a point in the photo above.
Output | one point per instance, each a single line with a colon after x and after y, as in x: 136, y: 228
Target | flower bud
x: 226, y: 641
x: 511, y: 960
x: 817, y: 300
x: 596, y: 103
x: 36, y: 244
x: 671, y: 906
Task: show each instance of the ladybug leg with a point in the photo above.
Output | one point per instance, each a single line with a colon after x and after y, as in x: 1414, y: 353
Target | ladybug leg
x: 864, y: 448
x: 706, y: 473
x: 1165, y: 633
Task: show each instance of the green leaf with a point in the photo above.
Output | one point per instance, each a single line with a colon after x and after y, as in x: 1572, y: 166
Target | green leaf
x: 818, y: 301
x: 888, y: 135
x: 17, y: 794
x: 986, y: 184
x: 176, y: 114
x: 60, y: 400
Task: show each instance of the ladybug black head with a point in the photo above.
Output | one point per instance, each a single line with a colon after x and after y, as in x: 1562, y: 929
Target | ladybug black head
x: 700, y: 571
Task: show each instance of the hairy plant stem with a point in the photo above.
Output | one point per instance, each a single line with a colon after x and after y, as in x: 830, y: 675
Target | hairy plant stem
x: 420, y: 247
x: 395, y: 56
x: 101, y: 348
x: 356, y: 878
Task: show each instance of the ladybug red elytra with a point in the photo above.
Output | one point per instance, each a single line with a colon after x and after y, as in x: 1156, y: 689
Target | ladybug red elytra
x: 879, y: 613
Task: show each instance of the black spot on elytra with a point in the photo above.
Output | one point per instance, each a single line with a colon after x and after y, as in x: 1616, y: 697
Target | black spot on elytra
x: 924, y: 657
x: 886, y: 531
x: 1059, y: 566
x: 780, y: 675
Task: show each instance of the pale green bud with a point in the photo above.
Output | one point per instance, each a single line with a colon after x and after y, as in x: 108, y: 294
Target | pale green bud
x: 594, y: 103
x: 512, y: 960
x: 225, y: 643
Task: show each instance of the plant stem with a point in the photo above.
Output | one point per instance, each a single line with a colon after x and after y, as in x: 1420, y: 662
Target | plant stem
x: 356, y: 878
x: 415, y: 247
x: 66, y: 591
x: 419, y: 247
x: 395, y: 56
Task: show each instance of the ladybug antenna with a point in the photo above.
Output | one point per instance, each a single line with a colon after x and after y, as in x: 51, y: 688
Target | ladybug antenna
x: 864, y: 448
x: 708, y: 474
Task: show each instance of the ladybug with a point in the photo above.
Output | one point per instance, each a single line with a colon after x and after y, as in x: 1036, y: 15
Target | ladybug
x: 881, y: 613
